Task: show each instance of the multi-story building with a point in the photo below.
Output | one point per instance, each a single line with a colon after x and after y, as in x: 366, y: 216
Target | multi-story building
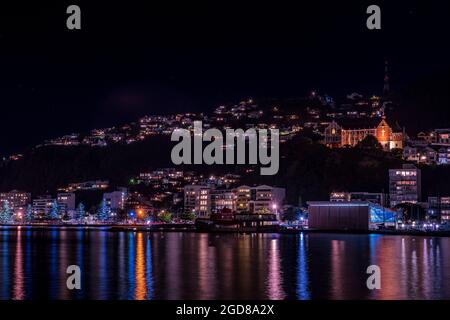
x: 66, y: 199
x: 439, y: 208
x: 243, y: 194
x: 115, y: 200
x: 203, y: 199
x: 197, y: 199
x: 66, y: 202
x: 404, y: 185
x: 337, y: 136
x: 223, y: 199
x: 15, y: 199
x: 266, y: 199
x: 42, y: 206
x: 259, y: 199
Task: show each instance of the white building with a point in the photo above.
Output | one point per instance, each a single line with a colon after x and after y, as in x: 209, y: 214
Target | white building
x: 197, y: 199
x: 204, y: 199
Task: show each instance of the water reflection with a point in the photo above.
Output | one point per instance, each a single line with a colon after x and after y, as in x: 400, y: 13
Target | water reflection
x: 134, y: 265
x: 303, y: 287
x: 141, y: 284
x: 18, y: 288
x: 274, y: 275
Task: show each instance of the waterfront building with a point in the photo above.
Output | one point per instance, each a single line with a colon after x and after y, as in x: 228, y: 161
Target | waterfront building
x: 259, y: 199
x: 15, y: 198
x: 197, y: 199
x: 243, y: 194
x: 349, y: 215
x: 265, y: 199
x: 115, y: 200
x: 66, y: 203
x: 42, y: 206
x: 67, y: 200
x: 222, y: 199
x: 351, y: 133
x: 204, y: 199
x: 439, y: 208
x: 404, y: 185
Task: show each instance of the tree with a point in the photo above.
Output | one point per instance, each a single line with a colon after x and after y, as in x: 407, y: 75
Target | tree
x: 53, y: 213
x: 29, y: 214
x: 397, y: 153
x: 165, y: 217
x: 80, y: 212
x: 189, y: 216
x: 369, y: 142
x: 103, y: 211
x: 5, y: 213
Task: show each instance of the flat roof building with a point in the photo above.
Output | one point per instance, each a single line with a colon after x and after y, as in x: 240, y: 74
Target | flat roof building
x: 439, y: 208
x: 15, y: 198
x: 349, y: 215
x: 404, y: 185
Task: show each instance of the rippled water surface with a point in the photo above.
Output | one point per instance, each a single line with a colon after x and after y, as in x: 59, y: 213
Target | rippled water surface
x: 127, y: 265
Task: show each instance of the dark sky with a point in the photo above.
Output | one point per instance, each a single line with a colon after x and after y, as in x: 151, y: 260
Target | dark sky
x: 130, y: 59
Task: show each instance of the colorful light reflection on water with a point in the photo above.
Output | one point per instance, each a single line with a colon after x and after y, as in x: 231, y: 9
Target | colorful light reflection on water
x: 135, y: 265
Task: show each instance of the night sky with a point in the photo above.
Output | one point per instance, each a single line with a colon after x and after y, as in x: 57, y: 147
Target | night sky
x: 129, y: 60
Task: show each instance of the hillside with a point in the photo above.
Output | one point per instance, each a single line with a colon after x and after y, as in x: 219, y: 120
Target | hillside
x: 307, y: 169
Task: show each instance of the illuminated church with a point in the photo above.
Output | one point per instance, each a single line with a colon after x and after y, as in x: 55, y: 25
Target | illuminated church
x: 342, y: 135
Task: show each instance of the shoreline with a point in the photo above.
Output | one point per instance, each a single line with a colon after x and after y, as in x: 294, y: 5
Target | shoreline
x: 192, y: 228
